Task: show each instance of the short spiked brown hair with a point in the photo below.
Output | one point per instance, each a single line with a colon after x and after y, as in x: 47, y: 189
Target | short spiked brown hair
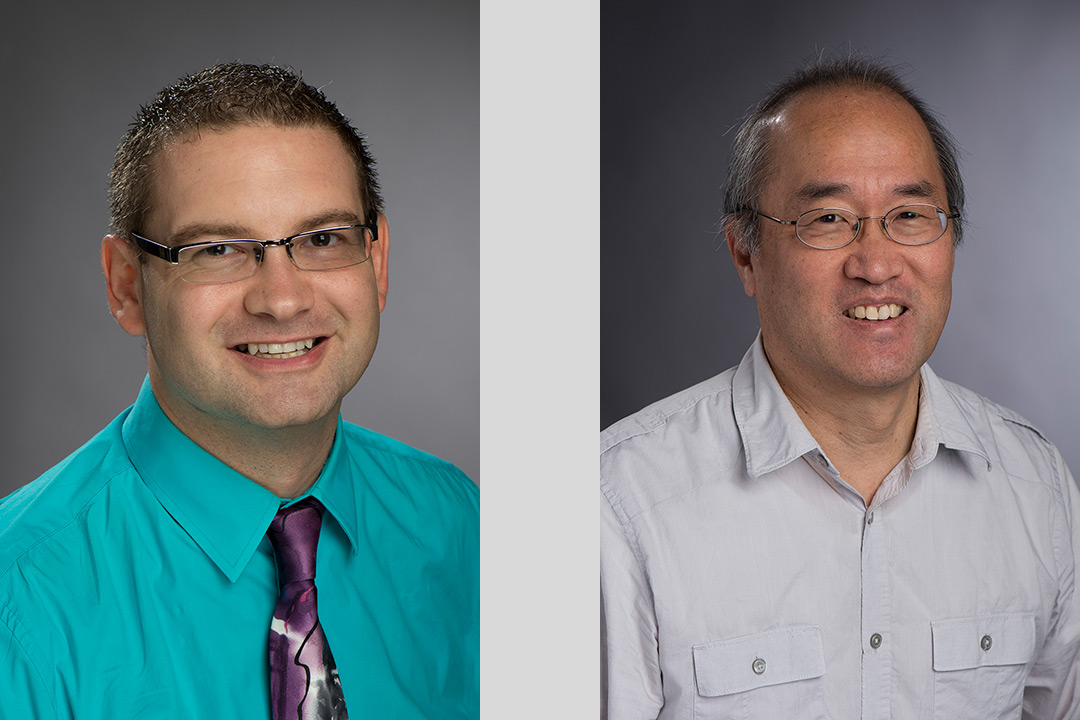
x: 220, y: 97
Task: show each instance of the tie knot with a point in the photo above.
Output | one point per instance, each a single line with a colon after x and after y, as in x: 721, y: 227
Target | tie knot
x: 294, y: 533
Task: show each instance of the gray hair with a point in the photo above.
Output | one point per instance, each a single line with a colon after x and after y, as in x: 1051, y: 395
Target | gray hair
x: 751, y: 153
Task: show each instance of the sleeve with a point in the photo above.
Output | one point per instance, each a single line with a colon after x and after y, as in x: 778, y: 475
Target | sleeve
x: 1053, y: 685
x: 630, y: 682
x: 22, y: 689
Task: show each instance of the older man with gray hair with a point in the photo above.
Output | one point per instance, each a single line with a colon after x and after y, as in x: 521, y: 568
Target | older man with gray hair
x: 829, y: 529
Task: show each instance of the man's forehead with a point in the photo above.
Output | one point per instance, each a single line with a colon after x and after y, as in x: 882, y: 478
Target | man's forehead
x: 847, y: 110
x: 193, y: 136
x: 847, y: 107
x: 219, y: 176
x: 848, y: 130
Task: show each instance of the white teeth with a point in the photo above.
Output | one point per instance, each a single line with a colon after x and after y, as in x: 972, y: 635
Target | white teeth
x: 875, y: 312
x: 279, y: 351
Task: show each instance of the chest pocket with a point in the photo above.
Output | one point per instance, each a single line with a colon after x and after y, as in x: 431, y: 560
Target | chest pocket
x: 774, y: 674
x: 980, y: 665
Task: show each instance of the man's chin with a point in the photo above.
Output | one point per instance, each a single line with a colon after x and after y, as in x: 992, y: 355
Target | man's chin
x: 285, y: 414
x: 882, y: 375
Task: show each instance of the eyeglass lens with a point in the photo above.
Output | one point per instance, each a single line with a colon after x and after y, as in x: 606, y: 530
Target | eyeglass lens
x: 329, y: 249
x: 909, y: 225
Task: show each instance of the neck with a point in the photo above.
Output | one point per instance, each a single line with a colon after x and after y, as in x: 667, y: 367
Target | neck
x: 285, y: 461
x: 864, y: 432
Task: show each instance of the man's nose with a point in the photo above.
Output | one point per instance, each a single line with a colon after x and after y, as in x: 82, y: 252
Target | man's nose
x: 279, y: 289
x: 874, y: 256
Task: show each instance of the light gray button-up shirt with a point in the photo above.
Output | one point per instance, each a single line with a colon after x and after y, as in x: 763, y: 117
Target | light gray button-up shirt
x: 741, y: 577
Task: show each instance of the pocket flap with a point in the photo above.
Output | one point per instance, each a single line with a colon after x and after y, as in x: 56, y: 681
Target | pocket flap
x: 964, y: 643
x: 753, y: 661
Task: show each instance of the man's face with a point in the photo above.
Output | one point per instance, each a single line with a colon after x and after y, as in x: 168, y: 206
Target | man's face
x: 867, y: 152
x: 264, y: 183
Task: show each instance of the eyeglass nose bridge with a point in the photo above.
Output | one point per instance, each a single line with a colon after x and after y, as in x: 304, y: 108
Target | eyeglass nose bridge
x: 859, y: 227
x: 264, y: 244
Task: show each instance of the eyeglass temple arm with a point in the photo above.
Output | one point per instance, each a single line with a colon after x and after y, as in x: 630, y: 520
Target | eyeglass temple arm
x: 775, y: 220
x: 161, y: 251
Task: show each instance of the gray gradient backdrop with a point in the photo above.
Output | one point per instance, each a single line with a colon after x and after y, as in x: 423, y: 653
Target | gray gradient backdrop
x: 406, y: 72
x: 678, y: 77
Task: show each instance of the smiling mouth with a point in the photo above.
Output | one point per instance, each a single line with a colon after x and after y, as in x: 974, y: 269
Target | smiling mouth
x: 279, y: 351
x: 875, y: 312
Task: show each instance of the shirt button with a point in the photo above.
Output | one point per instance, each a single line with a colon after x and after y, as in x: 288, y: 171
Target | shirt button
x: 758, y: 666
x: 870, y: 519
x: 986, y: 642
x: 875, y: 641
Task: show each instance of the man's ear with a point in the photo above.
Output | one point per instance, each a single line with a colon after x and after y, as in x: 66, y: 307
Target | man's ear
x: 743, y: 259
x: 380, y: 254
x: 123, y: 283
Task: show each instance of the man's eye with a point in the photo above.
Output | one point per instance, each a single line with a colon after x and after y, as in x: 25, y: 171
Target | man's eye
x: 219, y: 250
x: 219, y: 253
x: 321, y: 240
x: 829, y: 218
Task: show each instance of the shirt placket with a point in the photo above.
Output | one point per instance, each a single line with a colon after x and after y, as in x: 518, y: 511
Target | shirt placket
x: 876, y: 638
x: 875, y: 620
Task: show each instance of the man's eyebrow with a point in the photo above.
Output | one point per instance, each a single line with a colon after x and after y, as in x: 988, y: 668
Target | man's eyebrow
x: 923, y: 189
x: 198, y: 232
x: 329, y: 218
x: 819, y: 191
x: 195, y: 232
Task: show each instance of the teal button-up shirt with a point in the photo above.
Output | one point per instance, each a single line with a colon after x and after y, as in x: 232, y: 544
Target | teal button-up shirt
x: 136, y: 580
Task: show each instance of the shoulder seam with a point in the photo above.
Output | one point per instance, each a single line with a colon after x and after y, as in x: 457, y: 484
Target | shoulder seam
x: 416, y: 454
x: 625, y: 521
x: 959, y: 393
x: 30, y: 658
x: 74, y: 516
x: 1020, y: 421
x: 657, y: 419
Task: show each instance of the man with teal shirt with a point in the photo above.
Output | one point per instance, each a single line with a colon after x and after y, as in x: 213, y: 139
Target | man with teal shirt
x: 169, y: 567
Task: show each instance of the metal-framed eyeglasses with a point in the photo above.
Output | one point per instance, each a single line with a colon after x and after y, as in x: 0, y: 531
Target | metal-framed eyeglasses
x: 225, y: 261
x: 833, y: 228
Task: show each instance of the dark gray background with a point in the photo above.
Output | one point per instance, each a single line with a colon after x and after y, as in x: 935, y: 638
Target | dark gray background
x: 406, y: 72
x: 677, y: 78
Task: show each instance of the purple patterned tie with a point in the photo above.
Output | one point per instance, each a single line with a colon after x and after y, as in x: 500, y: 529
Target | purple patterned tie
x: 304, y: 681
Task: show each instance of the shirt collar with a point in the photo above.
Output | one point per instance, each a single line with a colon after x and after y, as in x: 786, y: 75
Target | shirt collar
x: 943, y: 422
x: 336, y: 487
x: 774, y: 435
x: 225, y: 513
